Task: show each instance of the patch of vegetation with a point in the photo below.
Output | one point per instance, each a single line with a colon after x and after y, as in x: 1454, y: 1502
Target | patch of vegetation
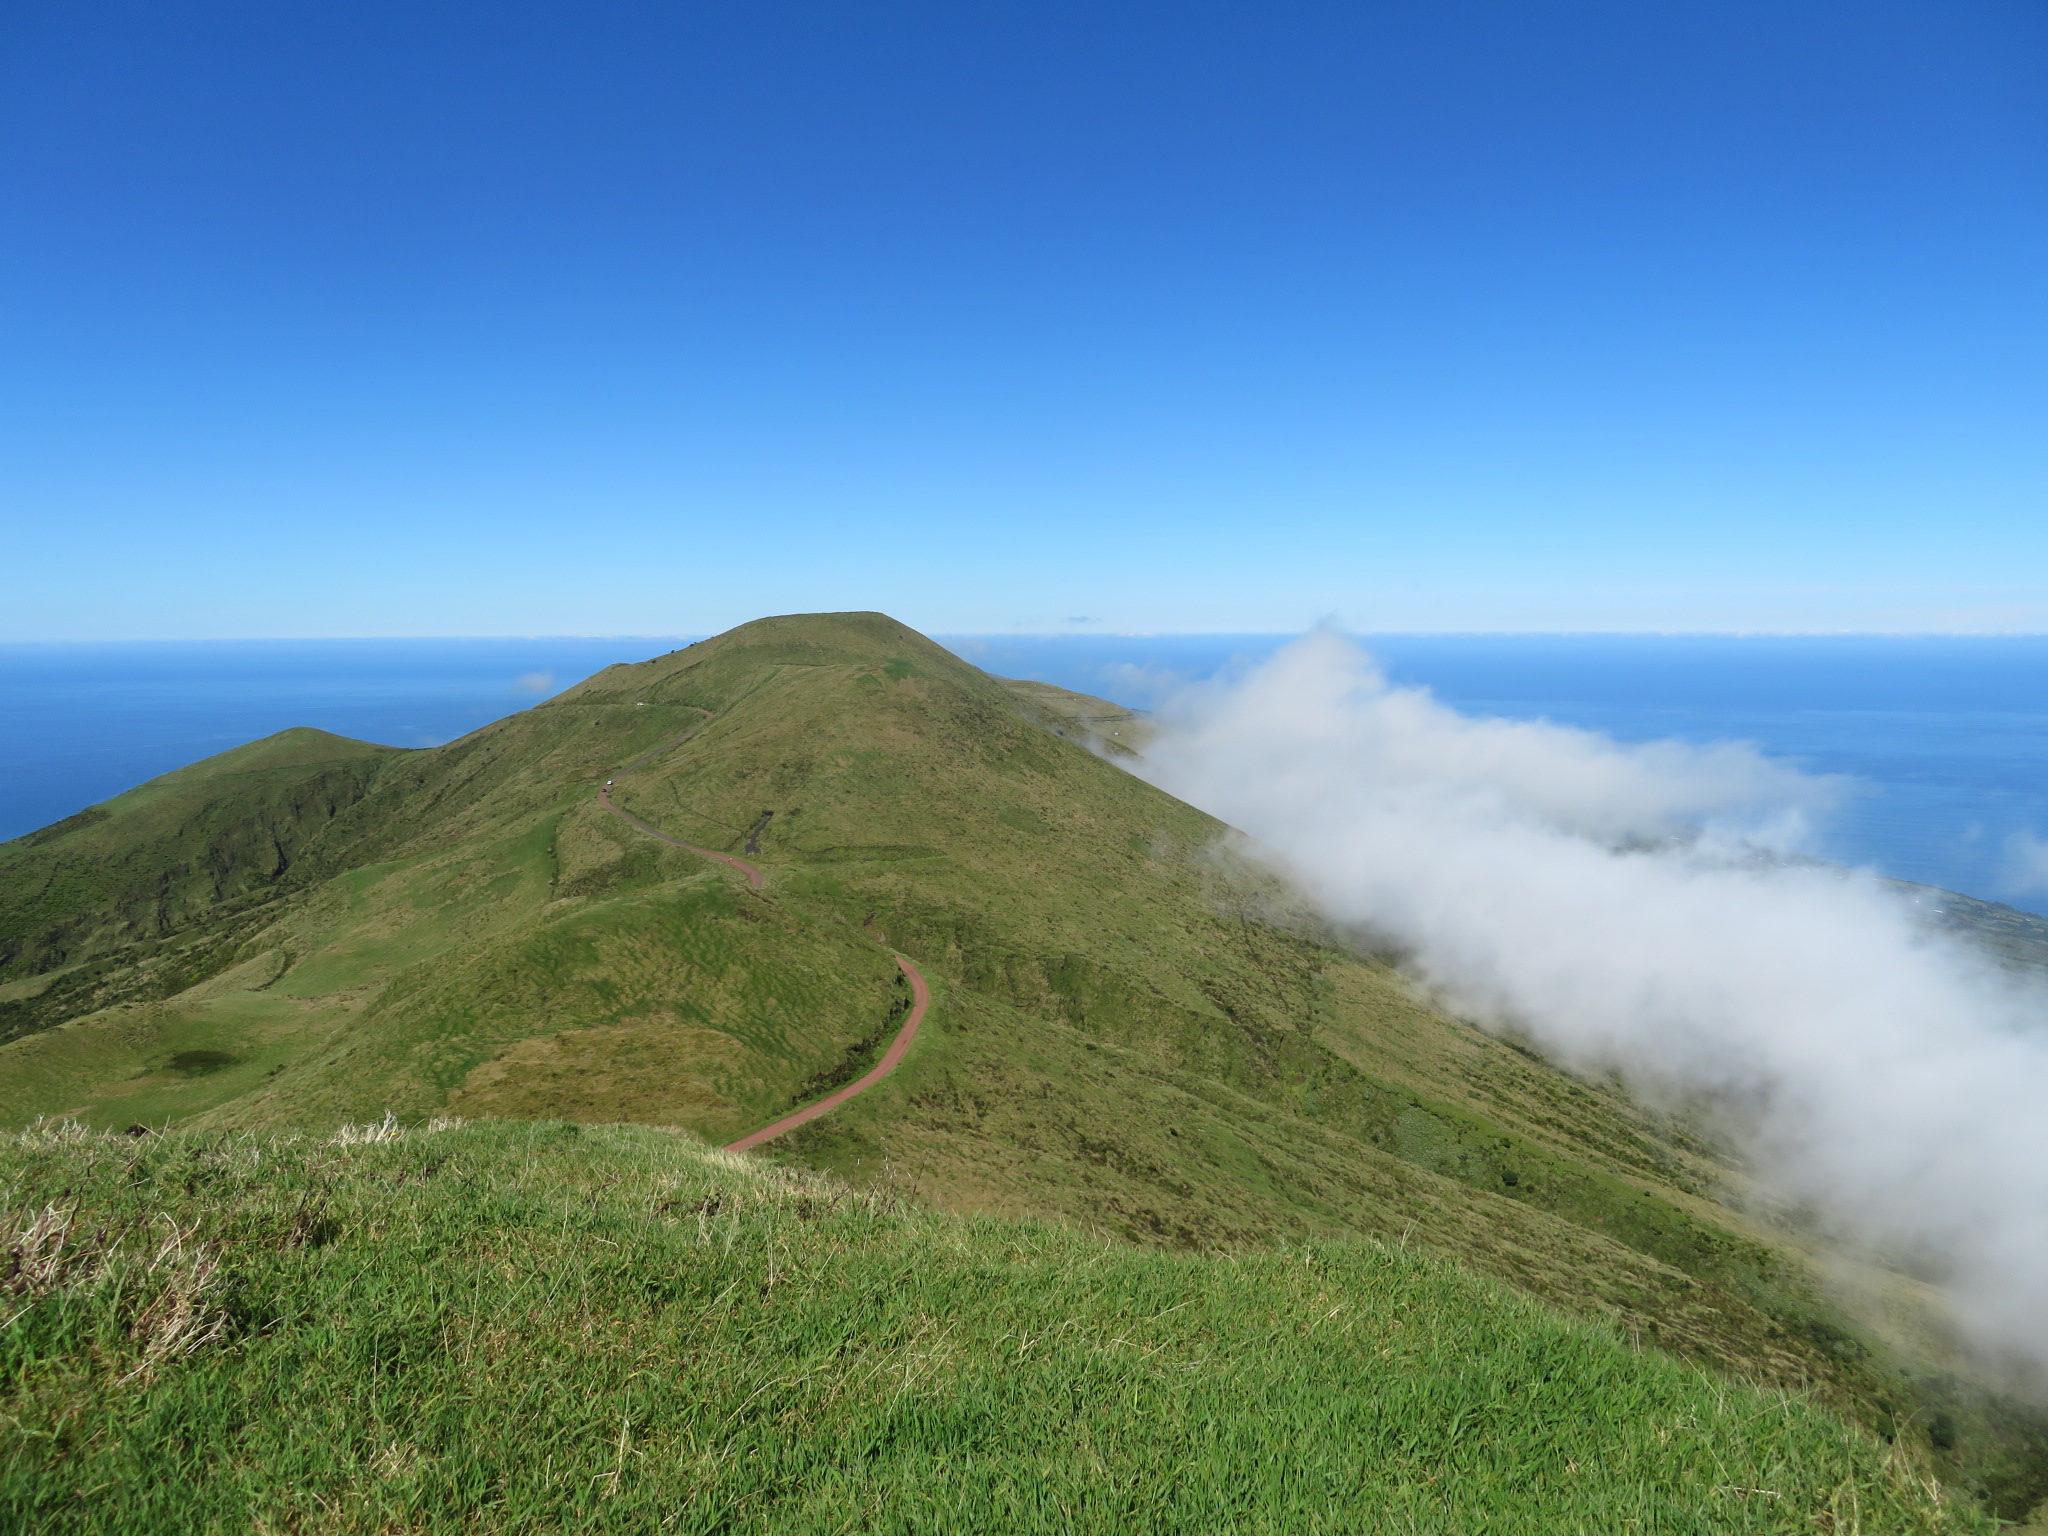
x: 859, y: 1057
x: 144, y: 971
x: 872, y: 853
x: 171, y: 853
x: 92, y: 815
x: 544, y: 1328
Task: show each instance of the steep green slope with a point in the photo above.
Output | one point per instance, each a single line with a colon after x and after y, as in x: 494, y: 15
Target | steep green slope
x: 95, y: 896
x: 1131, y: 1033
x: 543, y: 1328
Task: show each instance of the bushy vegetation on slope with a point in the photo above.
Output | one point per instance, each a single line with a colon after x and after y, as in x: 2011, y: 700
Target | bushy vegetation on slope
x: 547, y: 1327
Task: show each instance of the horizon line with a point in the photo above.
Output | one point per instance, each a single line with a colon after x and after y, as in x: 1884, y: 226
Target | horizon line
x: 1103, y: 634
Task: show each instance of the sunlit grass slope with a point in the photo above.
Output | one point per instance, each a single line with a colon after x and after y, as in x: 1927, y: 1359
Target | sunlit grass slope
x: 1134, y: 1032
x: 547, y: 1327
x: 195, y: 849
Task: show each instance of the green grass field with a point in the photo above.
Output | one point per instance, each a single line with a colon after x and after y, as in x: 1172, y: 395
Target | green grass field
x: 549, y: 1327
x: 1138, y: 1033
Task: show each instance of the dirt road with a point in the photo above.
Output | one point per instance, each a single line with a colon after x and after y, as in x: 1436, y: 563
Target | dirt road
x: 604, y: 798
x: 920, y: 992
x: 920, y: 1000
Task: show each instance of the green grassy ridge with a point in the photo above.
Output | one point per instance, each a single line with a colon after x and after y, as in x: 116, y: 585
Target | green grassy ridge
x: 547, y: 1327
x: 974, y: 717
x: 171, y: 853
x: 1135, y: 1034
x: 271, y: 818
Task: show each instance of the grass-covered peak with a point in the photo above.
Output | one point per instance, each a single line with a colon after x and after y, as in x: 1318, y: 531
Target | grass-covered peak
x: 299, y: 746
x: 718, y: 671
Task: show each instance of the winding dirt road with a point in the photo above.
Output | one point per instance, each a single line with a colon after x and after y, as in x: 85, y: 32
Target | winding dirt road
x: 920, y: 991
x: 604, y: 798
x: 920, y: 999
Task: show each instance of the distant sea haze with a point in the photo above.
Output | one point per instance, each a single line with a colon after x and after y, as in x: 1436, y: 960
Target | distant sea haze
x: 1944, y: 738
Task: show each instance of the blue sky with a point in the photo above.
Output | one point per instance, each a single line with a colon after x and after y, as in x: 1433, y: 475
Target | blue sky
x: 449, y: 318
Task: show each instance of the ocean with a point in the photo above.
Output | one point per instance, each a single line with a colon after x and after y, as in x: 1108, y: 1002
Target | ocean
x: 1944, y: 738
x: 80, y: 722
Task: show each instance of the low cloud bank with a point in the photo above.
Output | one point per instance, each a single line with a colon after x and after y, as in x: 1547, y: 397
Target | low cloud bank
x: 1631, y: 907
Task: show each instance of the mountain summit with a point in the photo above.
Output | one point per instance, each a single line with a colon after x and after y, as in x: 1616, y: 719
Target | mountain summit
x: 694, y: 892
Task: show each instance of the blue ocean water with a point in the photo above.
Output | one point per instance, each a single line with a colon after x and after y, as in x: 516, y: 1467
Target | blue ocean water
x: 81, y: 722
x: 1947, y: 738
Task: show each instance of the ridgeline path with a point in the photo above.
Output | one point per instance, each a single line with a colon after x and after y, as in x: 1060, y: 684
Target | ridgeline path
x: 920, y: 999
x: 604, y: 798
x: 920, y: 991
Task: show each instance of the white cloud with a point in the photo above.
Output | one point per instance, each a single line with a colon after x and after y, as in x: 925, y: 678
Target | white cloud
x: 1630, y: 907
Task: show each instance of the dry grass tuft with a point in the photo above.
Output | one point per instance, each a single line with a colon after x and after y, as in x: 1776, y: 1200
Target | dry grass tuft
x: 387, y: 1129
x: 39, y: 1256
x: 50, y: 1132
x: 180, y: 1317
x: 167, y: 1287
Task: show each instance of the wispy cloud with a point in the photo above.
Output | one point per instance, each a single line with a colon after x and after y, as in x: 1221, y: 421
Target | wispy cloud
x: 1637, y: 908
x: 2025, y: 872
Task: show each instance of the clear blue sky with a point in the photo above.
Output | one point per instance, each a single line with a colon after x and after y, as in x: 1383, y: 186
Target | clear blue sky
x: 606, y: 318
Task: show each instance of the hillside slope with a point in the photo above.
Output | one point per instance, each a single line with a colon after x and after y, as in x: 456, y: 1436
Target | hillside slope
x: 544, y: 1328
x: 1130, y: 1033
x: 88, y: 902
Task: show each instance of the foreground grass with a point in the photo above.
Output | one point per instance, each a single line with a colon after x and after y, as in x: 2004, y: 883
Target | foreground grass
x: 513, y: 1327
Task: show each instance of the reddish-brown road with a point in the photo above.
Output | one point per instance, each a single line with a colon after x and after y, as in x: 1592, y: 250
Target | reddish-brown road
x: 604, y: 798
x: 920, y: 993
x: 920, y: 999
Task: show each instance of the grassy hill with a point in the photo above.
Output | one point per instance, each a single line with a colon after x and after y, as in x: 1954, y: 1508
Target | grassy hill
x: 1131, y: 1036
x: 544, y: 1327
x: 87, y: 902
